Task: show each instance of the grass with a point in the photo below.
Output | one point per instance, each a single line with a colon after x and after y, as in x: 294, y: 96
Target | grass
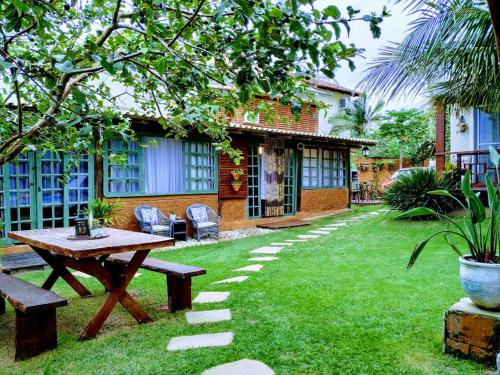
x: 341, y: 304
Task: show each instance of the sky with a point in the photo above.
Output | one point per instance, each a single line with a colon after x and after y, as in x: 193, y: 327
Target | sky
x: 394, y: 29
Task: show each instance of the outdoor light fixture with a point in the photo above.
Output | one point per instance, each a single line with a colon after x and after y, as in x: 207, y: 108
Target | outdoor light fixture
x: 260, y: 150
x: 462, y: 124
x: 366, y: 151
x: 82, y: 228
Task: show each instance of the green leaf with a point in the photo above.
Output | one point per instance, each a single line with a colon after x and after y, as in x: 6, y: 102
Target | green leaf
x: 476, y: 207
x: 452, y: 244
x: 445, y: 193
x: 465, y: 185
x: 494, y: 157
x: 492, y: 193
x: 416, y: 252
x: 64, y: 67
x: 331, y: 11
x: 415, y: 212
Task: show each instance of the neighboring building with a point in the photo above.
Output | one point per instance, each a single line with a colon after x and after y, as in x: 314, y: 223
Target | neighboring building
x: 291, y: 171
x: 471, y: 133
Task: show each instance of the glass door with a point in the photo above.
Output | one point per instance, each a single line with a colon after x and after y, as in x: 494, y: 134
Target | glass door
x: 289, y: 180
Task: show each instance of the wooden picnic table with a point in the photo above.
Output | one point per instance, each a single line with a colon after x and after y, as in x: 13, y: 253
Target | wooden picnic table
x: 88, y: 256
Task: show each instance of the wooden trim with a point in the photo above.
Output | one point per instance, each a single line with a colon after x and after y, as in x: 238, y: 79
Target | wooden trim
x: 440, y: 137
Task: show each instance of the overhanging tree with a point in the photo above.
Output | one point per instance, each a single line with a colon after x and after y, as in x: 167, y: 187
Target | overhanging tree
x: 59, y: 61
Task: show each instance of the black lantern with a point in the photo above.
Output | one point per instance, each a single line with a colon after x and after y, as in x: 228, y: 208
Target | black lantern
x: 365, y: 151
x: 82, y: 228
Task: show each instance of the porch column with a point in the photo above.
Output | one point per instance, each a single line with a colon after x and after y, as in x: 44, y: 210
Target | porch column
x: 440, y: 137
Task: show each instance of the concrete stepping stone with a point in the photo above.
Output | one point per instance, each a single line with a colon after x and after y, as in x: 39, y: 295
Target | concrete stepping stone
x: 251, y: 268
x: 329, y: 229
x: 319, y: 232
x: 263, y: 259
x: 337, y: 225
x: 211, y: 316
x: 296, y: 240
x: 267, y: 250
x: 374, y: 213
x: 81, y: 274
x: 211, y: 297
x: 241, y: 367
x: 137, y: 274
x: 200, y: 341
x: 237, y: 279
x: 282, y: 244
x: 308, y: 236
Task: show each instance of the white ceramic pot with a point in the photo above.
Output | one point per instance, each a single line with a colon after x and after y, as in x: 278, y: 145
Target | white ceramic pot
x: 481, y: 282
x: 98, y: 232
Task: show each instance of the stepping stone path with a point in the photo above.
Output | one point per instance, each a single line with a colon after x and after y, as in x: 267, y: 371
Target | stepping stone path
x: 81, y: 274
x: 282, y: 244
x: 263, y: 259
x: 211, y: 297
x: 307, y: 236
x: 296, y: 240
x: 374, y: 213
x: 211, y: 316
x: 237, y: 279
x: 267, y: 250
x: 241, y: 367
x: 251, y: 268
x: 200, y: 341
x: 337, y: 225
x: 329, y: 229
x: 318, y: 232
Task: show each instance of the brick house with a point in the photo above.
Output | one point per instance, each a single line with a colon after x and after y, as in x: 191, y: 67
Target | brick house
x: 290, y: 171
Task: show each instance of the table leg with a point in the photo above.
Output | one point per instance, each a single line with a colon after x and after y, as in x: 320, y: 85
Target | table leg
x: 117, y: 287
x: 59, y: 270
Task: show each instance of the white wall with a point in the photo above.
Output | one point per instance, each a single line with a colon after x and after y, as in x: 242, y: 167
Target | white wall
x: 462, y: 141
x: 332, y: 100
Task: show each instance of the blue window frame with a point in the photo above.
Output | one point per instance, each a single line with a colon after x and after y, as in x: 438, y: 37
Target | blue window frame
x: 323, y: 168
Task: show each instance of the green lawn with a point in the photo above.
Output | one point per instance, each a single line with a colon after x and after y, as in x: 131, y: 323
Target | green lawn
x: 341, y: 304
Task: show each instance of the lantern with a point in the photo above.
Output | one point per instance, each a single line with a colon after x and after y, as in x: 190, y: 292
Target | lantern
x: 82, y: 228
x: 365, y: 151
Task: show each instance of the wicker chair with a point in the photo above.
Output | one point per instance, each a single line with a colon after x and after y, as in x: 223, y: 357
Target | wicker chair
x: 205, y: 221
x: 153, y: 221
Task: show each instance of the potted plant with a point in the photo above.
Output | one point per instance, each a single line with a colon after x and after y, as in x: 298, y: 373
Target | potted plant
x: 236, y: 184
x: 96, y: 229
x: 103, y: 211
x: 237, y: 173
x: 172, y: 215
x: 480, y: 269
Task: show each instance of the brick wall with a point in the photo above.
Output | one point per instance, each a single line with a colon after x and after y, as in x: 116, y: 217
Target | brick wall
x: 283, y: 118
x: 318, y: 200
x: 369, y: 175
x: 165, y: 203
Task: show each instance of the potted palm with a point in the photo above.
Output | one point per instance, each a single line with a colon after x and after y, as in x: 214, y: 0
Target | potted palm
x: 101, y: 213
x: 480, y: 269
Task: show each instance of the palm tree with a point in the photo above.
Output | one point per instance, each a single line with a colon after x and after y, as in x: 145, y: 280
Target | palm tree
x: 450, y: 53
x: 356, y: 118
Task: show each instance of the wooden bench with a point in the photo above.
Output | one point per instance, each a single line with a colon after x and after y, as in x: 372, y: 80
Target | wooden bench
x: 36, y: 322
x: 178, y: 278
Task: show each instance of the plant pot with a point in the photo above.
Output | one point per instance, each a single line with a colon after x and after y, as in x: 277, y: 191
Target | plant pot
x: 97, y: 232
x: 236, y: 176
x: 481, y: 282
x: 236, y: 187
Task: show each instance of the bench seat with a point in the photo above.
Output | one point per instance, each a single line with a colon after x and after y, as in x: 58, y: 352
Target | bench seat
x: 36, y: 323
x: 178, y: 277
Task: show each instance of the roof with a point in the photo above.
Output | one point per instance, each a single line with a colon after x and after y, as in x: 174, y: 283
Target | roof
x: 330, y: 86
x: 299, y: 135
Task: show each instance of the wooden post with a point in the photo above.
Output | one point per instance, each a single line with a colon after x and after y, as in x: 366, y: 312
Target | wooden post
x: 348, y: 177
x: 440, y: 137
x: 2, y: 306
x: 36, y: 332
x: 179, y: 293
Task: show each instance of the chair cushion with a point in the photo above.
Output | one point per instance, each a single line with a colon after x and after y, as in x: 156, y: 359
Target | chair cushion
x: 207, y: 224
x: 150, y: 215
x: 161, y: 228
x: 199, y: 214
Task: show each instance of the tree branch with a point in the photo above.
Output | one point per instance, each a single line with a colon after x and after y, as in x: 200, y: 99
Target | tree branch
x: 188, y: 22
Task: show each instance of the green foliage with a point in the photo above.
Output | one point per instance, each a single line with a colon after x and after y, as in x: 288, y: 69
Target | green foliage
x: 104, y: 212
x: 479, y: 232
x: 411, y: 191
x: 60, y: 59
x: 356, y: 118
x: 449, y: 54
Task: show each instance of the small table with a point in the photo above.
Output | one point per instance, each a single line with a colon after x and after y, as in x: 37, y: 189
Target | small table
x: 88, y: 256
x: 179, y: 229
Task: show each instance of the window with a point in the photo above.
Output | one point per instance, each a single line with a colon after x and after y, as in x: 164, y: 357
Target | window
x: 251, y: 118
x: 163, y: 166
x: 253, y: 196
x: 343, y: 103
x: 323, y: 168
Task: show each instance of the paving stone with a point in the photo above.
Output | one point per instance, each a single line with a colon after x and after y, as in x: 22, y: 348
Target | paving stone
x: 237, y: 279
x: 263, y: 259
x: 308, y: 236
x: 211, y: 316
x: 137, y: 274
x: 337, y: 225
x: 251, y: 268
x: 267, y: 250
x: 282, y: 244
x: 374, y: 213
x: 200, y: 341
x: 329, y: 229
x: 81, y: 274
x: 318, y: 232
x: 241, y: 367
x: 296, y: 240
x: 211, y: 297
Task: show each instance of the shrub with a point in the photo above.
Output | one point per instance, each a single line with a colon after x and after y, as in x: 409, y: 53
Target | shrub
x: 410, y: 191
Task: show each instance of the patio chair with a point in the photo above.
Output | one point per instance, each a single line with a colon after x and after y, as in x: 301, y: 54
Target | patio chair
x: 205, y: 221
x: 153, y: 221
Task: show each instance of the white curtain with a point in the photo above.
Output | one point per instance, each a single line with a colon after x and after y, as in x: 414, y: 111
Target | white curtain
x: 163, y: 166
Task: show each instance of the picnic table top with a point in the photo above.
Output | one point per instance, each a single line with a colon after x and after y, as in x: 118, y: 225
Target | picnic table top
x: 57, y: 241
